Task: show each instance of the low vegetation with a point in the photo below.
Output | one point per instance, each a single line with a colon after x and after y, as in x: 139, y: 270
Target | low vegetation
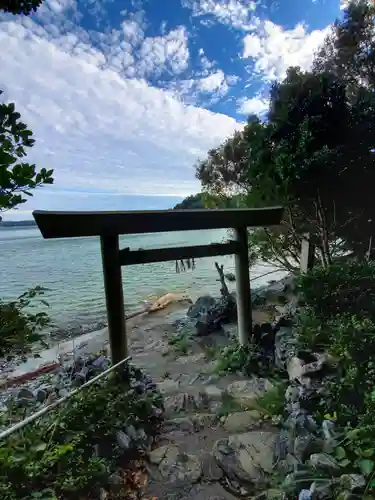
x: 73, y: 452
x: 19, y: 326
x: 339, y: 318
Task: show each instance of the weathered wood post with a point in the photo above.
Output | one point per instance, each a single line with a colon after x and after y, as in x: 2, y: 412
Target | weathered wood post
x: 307, y: 254
x: 243, y: 286
x: 114, y: 296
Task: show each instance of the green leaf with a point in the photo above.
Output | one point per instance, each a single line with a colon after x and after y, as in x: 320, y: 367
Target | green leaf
x: 345, y: 462
x: 366, y: 466
x: 368, y: 453
x: 340, y: 453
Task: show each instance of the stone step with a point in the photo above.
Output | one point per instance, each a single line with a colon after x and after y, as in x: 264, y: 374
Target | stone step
x: 243, y: 462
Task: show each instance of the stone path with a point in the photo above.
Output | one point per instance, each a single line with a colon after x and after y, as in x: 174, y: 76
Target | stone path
x: 214, y: 445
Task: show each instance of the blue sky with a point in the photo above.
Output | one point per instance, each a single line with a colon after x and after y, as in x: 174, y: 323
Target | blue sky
x: 124, y: 96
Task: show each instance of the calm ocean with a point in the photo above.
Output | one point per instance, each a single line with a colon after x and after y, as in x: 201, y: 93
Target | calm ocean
x: 71, y: 269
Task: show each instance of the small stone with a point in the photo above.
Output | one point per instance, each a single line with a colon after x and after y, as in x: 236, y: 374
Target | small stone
x: 325, y: 462
x: 63, y: 393
x: 355, y: 483
x: 305, y: 495
x: 123, y: 440
x: 41, y: 395
x: 131, y: 432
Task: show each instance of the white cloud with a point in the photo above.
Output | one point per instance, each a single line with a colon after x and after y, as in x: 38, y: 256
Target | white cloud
x: 255, y: 105
x: 274, y: 49
x: 99, y: 130
x: 168, y: 52
x: 208, y: 89
x: 236, y: 13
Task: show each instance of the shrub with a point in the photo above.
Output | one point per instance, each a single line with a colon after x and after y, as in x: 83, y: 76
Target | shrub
x: 19, y: 328
x: 343, y: 287
x: 272, y: 402
x: 72, y: 451
x: 246, y: 359
x: 310, y: 331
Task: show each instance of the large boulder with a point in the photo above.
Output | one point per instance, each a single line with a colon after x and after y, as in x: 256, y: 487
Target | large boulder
x: 209, y: 313
x: 248, y: 457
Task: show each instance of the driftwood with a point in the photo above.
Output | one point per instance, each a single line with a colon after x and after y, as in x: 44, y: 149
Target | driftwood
x: 181, y: 265
x: 224, y: 289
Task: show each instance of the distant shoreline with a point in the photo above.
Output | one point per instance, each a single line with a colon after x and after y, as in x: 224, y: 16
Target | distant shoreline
x: 17, y: 223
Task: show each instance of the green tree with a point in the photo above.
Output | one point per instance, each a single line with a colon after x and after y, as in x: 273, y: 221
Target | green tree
x: 17, y: 178
x: 20, y: 6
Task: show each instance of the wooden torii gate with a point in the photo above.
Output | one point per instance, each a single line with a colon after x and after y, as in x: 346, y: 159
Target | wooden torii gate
x: 110, y: 225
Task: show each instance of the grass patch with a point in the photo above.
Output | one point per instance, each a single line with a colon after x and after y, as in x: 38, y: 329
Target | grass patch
x: 271, y: 403
x: 229, y: 404
x: 181, y: 343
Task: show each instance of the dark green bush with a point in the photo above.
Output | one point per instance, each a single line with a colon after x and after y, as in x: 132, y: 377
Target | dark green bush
x: 73, y: 450
x: 19, y: 327
x: 343, y: 287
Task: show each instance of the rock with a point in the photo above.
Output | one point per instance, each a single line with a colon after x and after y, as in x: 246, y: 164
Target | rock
x: 213, y: 392
x: 26, y: 393
x: 41, y: 395
x: 325, y: 462
x: 305, y: 443
x: 131, y: 433
x: 201, y: 306
x: 81, y: 377
x: 186, y: 402
x: 295, y: 368
x: 230, y: 277
x: 247, y: 391
x: 115, y: 479
x: 175, y: 466
x: 185, y: 424
x: 330, y: 436
x: 305, y: 495
x: 101, y: 363
x: 241, y: 421
x: 285, y: 346
x: 209, y: 313
x: 63, y: 392
x: 210, y: 469
x: 246, y: 457
x: 313, y: 368
x: 123, y: 440
x: 168, y: 385
x: 292, y: 394
x: 355, y: 483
